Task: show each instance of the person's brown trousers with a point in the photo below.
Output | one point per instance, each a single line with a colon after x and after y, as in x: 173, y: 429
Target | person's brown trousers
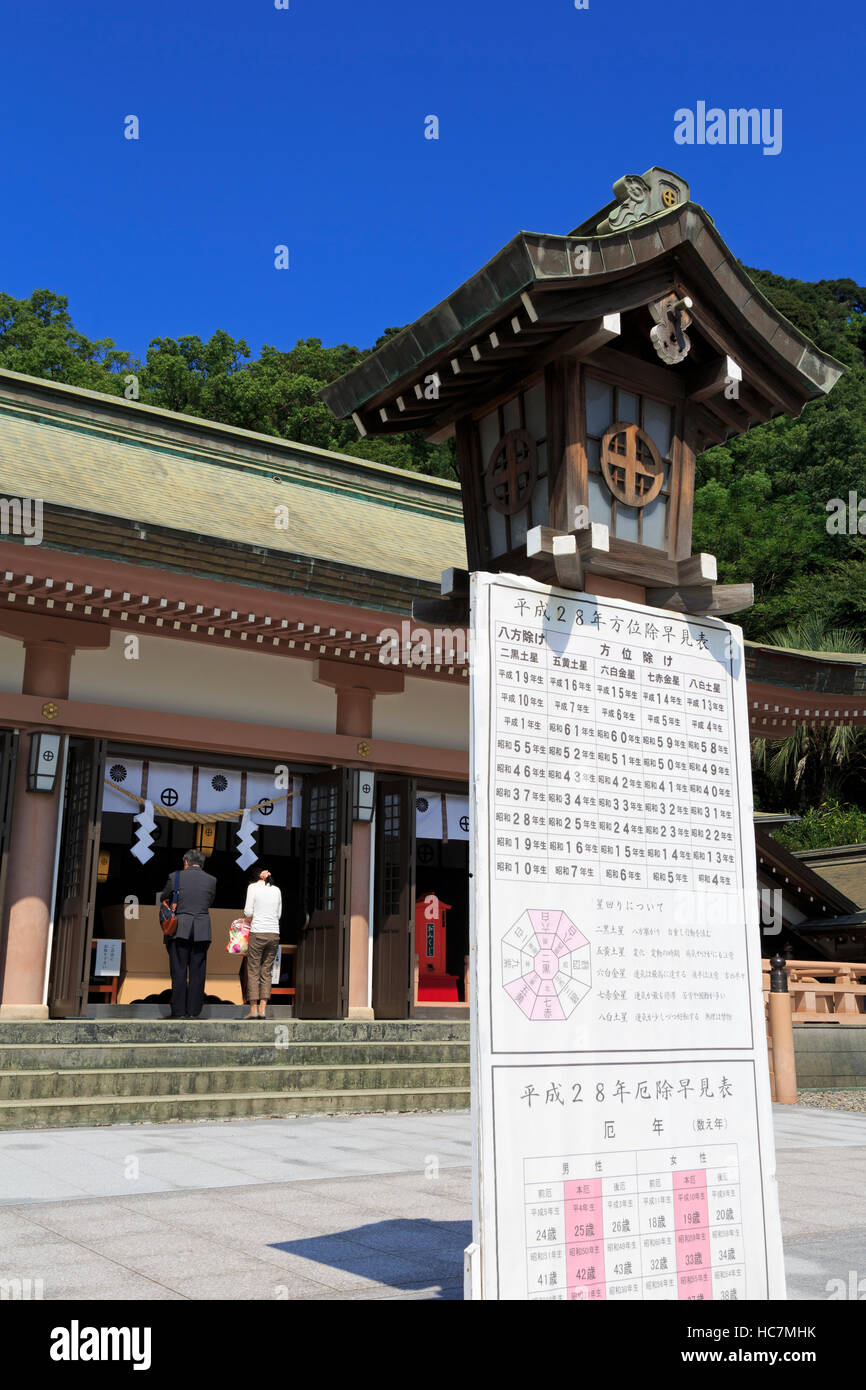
x: 260, y: 962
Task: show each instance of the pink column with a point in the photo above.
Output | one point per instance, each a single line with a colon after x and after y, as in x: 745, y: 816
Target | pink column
x: 355, y: 690
x: 584, y: 1239
x: 32, y: 848
x: 694, y: 1262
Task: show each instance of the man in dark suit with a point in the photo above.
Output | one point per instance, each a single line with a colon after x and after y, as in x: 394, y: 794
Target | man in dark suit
x: 187, y: 949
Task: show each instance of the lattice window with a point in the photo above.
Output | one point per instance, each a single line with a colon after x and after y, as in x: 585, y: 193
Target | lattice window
x: 323, y: 847
x: 77, y: 819
x: 607, y: 405
x: 393, y: 869
x: 512, y: 442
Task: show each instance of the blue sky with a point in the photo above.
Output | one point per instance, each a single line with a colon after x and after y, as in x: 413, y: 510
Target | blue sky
x: 305, y: 127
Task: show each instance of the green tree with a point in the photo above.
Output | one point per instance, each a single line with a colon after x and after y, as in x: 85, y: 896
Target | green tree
x: 761, y: 499
x: 38, y: 338
x: 824, y: 827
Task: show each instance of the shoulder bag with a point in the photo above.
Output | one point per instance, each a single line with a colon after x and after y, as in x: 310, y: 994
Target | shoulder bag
x: 168, y: 911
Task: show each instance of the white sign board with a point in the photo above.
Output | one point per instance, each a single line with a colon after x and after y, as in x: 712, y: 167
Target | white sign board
x: 108, y: 956
x: 621, y: 1104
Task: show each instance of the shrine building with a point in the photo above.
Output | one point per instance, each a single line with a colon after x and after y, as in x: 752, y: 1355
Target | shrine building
x: 219, y: 639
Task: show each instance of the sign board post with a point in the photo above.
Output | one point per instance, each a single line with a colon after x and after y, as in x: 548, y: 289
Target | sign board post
x: 621, y: 1106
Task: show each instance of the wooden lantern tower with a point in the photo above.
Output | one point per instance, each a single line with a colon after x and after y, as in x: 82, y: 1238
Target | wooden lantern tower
x: 581, y: 375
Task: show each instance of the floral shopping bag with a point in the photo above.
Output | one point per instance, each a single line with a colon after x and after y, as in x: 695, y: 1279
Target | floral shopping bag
x: 239, y: 937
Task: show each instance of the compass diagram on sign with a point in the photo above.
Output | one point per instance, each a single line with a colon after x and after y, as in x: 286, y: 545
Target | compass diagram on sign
x: 546, y: 964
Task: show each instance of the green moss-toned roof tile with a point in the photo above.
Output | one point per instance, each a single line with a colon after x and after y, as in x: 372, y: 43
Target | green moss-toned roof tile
x: 338, y: 509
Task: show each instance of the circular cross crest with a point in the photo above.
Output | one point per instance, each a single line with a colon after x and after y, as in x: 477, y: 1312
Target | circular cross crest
x: 511, y: 472
x: 265, y: 807
x: 168, y: 797
x: 669, y: 198
x: 632, y: 467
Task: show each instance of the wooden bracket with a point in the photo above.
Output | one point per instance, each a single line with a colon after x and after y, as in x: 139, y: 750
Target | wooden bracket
x: 697, y: 569
x: 593, y: 542
x: 452, y: 608
x: 561, y: 548
x: 703, y: 599
x: 454, y: 583
x: 570, y: 551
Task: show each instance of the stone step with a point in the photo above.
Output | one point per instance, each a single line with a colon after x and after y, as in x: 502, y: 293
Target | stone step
x: 131, y: 1083
x: 78, y: 1031
x: 109, y: 1056
x: 106, y: 1110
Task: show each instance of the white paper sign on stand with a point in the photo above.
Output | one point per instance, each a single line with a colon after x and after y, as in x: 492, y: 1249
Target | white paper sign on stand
x: 108, y: 956
x: 623, y: 1144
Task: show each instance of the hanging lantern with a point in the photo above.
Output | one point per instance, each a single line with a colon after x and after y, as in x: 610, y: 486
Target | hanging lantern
x: 363, y: 794
x: 205, y: 838
x: 44, y: 758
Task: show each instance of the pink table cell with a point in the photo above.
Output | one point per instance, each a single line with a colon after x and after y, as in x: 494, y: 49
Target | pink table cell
x: 694, y: 1255
x: 690, y: 1177
x: 695, y: 1285
x: 690, y: 1200
x: 584, y: 1264
x: 588, y: 1292
x: 694, y: 1261
x: 583, y: 1221
x: 583, y: 1187
x: 582, y: 1209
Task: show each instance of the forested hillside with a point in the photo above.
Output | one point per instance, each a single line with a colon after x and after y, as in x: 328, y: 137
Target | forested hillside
x: 760, y: 504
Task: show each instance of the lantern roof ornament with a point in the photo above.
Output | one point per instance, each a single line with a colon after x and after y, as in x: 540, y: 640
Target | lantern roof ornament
x: 650, y: 253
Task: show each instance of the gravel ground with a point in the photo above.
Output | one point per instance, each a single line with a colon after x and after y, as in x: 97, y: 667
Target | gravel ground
x: 834, y: 1100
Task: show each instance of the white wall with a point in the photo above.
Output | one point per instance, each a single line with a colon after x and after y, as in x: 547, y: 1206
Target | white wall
x: 11, y: 666
x: 197, y: 678
x: 429, y: 712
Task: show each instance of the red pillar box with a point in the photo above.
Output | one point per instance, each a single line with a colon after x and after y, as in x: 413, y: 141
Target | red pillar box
x: 434, y: 985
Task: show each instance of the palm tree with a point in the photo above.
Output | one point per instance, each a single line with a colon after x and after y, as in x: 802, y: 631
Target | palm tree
x: 812, y: 765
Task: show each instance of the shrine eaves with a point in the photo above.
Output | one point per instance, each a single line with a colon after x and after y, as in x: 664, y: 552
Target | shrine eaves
x: 580, y: 376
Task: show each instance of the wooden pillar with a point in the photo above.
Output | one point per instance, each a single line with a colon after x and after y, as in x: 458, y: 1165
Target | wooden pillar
x: 782, y: 1034
x: 356, y: 689
x: 32, y: 853
x: 49, y: 645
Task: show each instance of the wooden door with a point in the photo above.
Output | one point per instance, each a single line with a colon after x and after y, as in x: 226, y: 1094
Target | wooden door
x: 8, y: 758
x: 76, y: 895
x: 394, y: 899
x: 322, y: 982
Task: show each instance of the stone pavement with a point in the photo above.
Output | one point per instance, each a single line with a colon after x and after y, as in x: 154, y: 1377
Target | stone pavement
x: 821, y: 1163
x: 342, y: 1207
x: 366, y: 1206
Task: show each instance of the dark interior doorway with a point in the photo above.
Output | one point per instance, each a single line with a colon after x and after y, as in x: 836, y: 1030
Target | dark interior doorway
x: 280, y: 850
x: 442, y: 867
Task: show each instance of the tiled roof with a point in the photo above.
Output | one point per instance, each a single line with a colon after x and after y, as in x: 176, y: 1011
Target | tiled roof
x: 93, y: 453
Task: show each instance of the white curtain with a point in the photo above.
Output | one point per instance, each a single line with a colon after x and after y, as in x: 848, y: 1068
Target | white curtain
x: 262, y: 788
x: 457, y: 810
x: 170, y: 785
x: 218, y: 790
x: 126, y: 773
x: 428, y: 816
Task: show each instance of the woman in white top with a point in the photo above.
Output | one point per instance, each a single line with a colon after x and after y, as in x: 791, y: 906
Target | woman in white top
x: 263, y: 908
